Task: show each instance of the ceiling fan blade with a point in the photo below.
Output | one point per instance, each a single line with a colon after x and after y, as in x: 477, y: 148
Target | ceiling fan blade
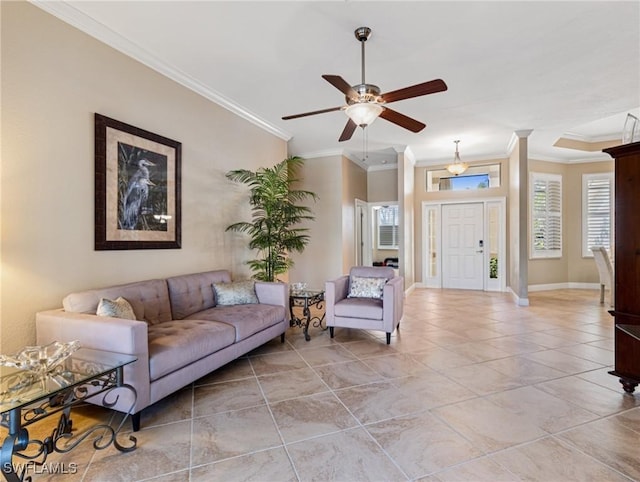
x: 402, y: 120
x: 342, y: 85
x: 348, y: 131
x: 417, y: 90
x: 323, y: 111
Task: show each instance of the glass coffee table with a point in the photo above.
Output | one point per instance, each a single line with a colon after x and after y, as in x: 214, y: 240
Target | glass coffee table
x: 27, y: 397
x: 306, y: 299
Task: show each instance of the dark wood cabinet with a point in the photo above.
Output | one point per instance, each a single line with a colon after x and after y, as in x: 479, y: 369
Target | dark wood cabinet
x: 627, y: 264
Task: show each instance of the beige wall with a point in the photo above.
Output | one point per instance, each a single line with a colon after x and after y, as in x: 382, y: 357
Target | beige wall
x: 382, y: 185
x: 572, y: 267
x: 354, y: 186
x: 553, y: 270
x: 580, y: 270
x: 322, y: 259
x: 53, y: 80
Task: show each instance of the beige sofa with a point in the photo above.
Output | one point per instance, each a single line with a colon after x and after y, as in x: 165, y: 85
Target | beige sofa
x: 180, y: 334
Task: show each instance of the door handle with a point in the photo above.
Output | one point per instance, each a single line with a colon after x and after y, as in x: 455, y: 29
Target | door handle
x: 480, y: 251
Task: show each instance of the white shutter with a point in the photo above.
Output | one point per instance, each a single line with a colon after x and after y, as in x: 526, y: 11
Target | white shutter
x: 388, y: 227
x: 388, y: 236
x: 597, y: 209
x: 546, y: 215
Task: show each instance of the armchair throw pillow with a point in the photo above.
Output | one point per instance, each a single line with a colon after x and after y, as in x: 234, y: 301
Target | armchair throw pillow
x: 363, y: 287
x: 118, y: 308
x: 236, y: 293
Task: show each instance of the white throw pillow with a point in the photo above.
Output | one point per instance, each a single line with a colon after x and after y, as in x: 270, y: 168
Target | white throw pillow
x: 363, y: 287
x: 236, y: 293
x: 118, y: 308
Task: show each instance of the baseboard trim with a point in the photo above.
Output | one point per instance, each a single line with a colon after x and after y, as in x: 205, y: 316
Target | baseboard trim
x: 564, y: 286
x: 410, y: 290
x: 519, y: 301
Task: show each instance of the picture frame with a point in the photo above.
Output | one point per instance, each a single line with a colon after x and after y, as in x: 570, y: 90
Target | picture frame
x: 137, y: 188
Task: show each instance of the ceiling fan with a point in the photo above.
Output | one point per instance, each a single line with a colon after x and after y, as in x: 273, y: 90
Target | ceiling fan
x: 365, y: 102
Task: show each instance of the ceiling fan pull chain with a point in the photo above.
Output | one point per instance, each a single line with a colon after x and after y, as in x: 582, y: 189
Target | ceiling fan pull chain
x: 365, y: 144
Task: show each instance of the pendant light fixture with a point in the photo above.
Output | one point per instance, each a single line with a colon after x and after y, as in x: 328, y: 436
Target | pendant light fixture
x: 457, y: 167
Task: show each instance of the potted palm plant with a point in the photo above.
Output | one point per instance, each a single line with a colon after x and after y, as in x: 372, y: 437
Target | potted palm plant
x: 274, y: 229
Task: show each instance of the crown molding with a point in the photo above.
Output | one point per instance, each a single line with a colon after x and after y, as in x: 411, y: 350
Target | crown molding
x: 322, y: 153
x: 523, y: 132
x: 334, y: 153
x: 356, y: 160
x: 574, y: 136
x: 383, y: 167
x: 511, y: 145
x: 541, y: 157
x: 351, y: 156
x: 409, y: 155
x: 74, y: 17
x: 443, y: 162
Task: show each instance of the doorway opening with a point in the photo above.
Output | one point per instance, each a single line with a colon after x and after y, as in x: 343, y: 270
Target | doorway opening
x: 376, y: 233
x: 464, y: 244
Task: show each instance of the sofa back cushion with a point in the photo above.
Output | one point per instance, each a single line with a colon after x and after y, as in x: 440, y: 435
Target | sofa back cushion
x: 194, y: 292
x: 149, y: 300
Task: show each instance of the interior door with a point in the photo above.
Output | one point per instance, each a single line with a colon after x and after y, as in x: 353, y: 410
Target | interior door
x: 463, y: 246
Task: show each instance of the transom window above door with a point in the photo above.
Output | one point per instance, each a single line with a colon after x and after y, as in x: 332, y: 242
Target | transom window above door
x: 474, y: 178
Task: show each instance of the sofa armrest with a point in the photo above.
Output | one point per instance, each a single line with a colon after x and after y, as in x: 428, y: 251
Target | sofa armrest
x: 334, y: 291
x: 97, y: 332
x: 103, y: 333
x: 273, y: 293
x: 393, y: 296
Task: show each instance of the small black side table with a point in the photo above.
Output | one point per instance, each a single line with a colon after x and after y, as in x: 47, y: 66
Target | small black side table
x: 306, y: 299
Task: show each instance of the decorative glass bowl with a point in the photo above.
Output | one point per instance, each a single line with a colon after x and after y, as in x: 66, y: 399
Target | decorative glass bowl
x: 298, y: 287
x: 40, y: 359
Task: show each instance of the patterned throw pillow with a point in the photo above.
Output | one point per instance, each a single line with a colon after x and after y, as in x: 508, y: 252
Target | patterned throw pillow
x: 361, y: 287
x: 118, y: 308
x: 235, y: 293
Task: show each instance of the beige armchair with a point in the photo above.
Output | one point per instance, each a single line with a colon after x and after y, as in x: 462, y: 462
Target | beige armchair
x: 351, y: 300
x: 605, y: 272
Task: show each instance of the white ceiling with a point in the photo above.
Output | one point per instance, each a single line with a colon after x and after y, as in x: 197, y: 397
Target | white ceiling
x: 559, y: 68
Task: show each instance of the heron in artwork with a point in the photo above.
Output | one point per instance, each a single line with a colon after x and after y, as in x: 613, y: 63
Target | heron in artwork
x: 135, y: 199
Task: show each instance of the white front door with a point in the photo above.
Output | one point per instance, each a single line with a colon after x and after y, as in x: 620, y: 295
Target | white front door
x: 463, y: 246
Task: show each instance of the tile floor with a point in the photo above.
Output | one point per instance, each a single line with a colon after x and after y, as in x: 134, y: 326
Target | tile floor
x: 472, y: 388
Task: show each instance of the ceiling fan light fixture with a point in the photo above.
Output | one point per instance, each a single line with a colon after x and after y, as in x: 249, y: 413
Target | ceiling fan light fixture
x: 457, y: 167
x: 364, y: 102
x: 363, y: 113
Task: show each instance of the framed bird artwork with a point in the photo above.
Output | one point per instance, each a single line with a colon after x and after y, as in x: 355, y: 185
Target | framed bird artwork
x: 137, y: 186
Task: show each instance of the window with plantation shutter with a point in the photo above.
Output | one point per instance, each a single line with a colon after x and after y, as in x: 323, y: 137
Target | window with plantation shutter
x: 597, y: 211
x: 546, y: 215
x: 388, y: 227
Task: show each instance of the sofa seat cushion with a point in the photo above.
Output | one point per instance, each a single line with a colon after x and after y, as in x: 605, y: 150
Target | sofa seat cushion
x: 368, y: 308
x: 175, y: 344
x: 246, y: 319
